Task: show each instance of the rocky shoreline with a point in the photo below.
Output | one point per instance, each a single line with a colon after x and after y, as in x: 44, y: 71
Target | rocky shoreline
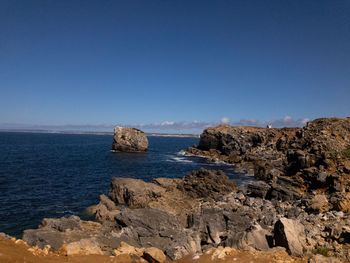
x: 182, y: 217
x: 299, y: 204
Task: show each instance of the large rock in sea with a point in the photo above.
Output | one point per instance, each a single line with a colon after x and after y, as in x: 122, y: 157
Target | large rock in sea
x: 129, y: 140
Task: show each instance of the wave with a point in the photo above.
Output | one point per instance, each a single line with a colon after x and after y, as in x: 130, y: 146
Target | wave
x: 179, y: 159
x: 182, y: 153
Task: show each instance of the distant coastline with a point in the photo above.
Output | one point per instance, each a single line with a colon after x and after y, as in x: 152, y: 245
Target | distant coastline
x: 152, y: 134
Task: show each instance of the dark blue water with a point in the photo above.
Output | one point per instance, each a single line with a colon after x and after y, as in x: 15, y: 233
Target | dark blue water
x: 52, y: 175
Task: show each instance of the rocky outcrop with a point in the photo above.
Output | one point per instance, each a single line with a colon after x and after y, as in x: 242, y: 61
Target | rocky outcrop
x: 129, y: 140
x: 105, y: 210
x: 181, y: 220
x: 152, y: 227
x: 164, y: 214
x: 295, y: 163
x: 176, y: 196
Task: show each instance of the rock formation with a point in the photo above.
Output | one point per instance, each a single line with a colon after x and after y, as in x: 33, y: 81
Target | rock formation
x: 129, y: 140
x: 311, y: 162
x: 180, y: 219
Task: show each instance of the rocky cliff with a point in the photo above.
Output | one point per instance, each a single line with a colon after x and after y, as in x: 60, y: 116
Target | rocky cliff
x: 295, y: 163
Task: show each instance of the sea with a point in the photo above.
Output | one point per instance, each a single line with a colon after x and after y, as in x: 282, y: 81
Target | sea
x: 44, y: 175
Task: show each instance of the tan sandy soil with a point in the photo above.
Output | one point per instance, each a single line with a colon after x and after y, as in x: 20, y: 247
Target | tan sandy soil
x: 12, y: 251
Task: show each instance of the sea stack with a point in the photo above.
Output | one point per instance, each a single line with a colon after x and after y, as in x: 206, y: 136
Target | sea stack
x: 129, y: 140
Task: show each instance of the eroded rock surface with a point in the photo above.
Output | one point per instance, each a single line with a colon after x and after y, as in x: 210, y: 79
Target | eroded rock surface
x: 294, y: 162
x: 181, y: 222
x: 290, y: 234
x: 129, y: 140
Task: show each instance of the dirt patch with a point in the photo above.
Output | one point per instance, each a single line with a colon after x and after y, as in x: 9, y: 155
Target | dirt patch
x: 17, y: 251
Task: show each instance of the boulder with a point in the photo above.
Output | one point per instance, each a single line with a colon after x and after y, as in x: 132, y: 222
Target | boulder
x: 319, y: 203
x: 126, y: 249
x: 258, y: 189
x: 73, y: 236
x: 154, y: 255
x: 106, y: 210
x: 134, y: 193
x: 88, y: 246
x: 207, y: 184
x: 290, y: 234
x: 150, y: 227
x: 257, y: 238
x: 129, y: 140
x: 341, y: 202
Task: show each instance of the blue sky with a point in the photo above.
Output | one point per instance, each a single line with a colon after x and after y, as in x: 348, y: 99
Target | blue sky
x: 162, y: 62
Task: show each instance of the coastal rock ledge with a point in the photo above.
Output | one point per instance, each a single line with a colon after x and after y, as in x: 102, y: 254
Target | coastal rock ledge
x: 129, y: 140
x: 204, y: 212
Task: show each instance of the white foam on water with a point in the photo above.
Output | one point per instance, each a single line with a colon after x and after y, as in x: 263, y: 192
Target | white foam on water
x: 179, y: 159
x: 182, y: 153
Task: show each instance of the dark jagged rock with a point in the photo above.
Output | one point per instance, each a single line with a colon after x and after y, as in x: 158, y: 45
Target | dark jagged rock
x: 129, y: 140
x: 258, y: 189
x: 207, y: 184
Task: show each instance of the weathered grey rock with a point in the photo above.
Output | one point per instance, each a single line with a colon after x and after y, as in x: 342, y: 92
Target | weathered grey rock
x: 286, y: 189
x: 207, y: 184
x: 129, y: 140
x: 258, y: 189
x: 179, y: 197
x: 257, y: 238
x: 155, y: 228
x: 75, y: 236
x: 134, y: 193
x: 65, y: 230
x: 290, y: 234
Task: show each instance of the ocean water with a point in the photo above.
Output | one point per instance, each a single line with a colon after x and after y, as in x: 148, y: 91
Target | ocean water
x: 52, y: 175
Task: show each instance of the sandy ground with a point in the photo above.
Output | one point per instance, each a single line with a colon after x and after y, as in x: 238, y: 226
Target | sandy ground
x: 12, y: 251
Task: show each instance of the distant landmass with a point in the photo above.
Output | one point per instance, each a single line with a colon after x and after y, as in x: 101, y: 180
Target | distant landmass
x: 96, y: 132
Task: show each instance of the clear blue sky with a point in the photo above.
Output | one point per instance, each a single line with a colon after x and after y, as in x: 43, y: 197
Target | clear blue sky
x: 95, y: 62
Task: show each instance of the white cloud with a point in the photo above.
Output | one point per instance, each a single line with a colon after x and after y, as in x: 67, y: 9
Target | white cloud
x: 225, y: 120
x: 305, y: 120
x: 287, y: 119
x: 167, y: 123
x: 166, y: 126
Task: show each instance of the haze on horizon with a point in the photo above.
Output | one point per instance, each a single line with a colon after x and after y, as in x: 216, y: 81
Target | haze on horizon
x: 181, y: 65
